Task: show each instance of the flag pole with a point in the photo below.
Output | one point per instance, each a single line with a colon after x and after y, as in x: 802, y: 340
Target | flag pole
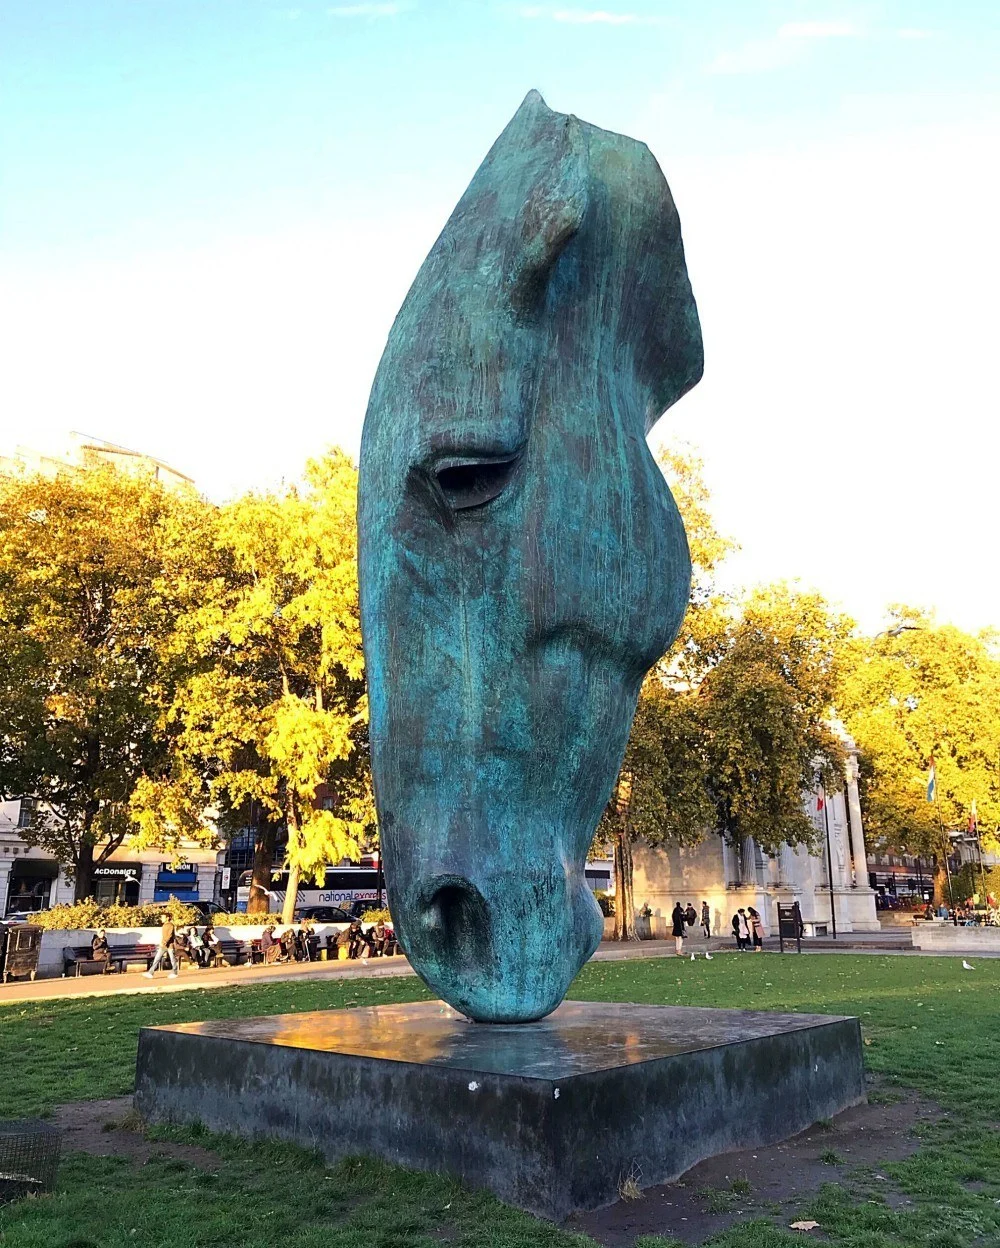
x: 933, y: 788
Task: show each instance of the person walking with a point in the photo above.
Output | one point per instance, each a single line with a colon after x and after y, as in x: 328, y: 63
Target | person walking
x: 679, y: 920
x: 706, y: 919
x: 756, y: 925
x: 690, y: 915
x: 166, y: 951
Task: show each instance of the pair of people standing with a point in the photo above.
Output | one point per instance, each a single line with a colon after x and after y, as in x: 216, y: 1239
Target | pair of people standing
x: 748, y: 928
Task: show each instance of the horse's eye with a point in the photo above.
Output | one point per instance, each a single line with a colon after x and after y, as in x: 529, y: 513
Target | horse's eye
x: 474, y: 482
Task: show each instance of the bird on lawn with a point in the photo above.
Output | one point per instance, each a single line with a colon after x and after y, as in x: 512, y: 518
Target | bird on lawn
x: 966, y: 966
x: 692, y: 957
x: 708, y: 956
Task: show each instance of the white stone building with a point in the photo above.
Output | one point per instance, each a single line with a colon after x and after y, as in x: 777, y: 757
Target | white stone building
x: 31, y: 879
x: 80, y: 452
x: 728, y: 877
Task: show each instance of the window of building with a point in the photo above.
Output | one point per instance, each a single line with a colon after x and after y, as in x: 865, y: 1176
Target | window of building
x: 26, y: 814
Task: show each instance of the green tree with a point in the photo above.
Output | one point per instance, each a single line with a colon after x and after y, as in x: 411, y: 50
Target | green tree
x: 766, y: 706
x: 91, y: 582
x: 662, y: 790
x: 917, y: 691
x: 729, y: 738
x: 276, y: 705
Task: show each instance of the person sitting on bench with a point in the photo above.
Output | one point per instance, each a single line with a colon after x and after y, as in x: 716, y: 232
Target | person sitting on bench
x: 211, y: 946
x: 287, y: 941
x: 100, y: 951
x: 269, y: 947
x: 352, y: 942
x: 383, y: 940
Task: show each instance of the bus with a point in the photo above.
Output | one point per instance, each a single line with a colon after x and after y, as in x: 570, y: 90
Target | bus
x: 341, y: 886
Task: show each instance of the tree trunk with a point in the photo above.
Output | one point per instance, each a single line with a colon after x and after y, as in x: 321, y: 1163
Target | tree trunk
x: 263, y: 862
x: 624, y: 896
x: 292, y: 891
x: 83, y: 871
x: 291, y: 896
x: 940, y: 883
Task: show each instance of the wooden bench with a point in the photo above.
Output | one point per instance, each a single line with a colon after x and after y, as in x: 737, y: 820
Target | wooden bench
x: 231, y: 951
x: 81, y: 957
x: 332, y: 947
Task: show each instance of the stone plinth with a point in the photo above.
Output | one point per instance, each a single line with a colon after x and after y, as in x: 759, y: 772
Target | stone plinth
x: 551, y: 1116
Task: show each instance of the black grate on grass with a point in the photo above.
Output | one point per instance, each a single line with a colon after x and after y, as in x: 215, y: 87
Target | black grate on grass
x: 29, y: 1158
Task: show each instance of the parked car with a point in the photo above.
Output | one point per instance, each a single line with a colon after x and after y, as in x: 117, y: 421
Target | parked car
x: 206, y: 908
x: 327, y: 914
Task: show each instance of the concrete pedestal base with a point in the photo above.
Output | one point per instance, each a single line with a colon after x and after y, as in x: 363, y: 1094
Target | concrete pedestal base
x: 551, y: 1116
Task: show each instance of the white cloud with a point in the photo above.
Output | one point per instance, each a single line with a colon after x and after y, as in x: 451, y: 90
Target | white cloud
x: 591, y: 17
x: 820, y: 30
x: 390, y: 9
x: 759, y: 56
x: 786, y: 46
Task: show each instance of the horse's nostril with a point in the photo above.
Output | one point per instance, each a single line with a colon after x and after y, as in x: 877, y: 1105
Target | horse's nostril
x: 474, y: 482
x: 457, y: 918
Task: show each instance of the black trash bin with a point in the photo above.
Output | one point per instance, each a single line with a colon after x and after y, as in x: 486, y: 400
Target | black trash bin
x: 20, y: 945
x: 29, y: 1159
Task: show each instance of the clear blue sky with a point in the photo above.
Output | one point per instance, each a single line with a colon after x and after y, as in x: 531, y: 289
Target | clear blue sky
x: 210, y: 211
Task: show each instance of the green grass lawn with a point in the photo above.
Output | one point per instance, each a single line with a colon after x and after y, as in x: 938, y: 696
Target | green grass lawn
x: 928, y: 1025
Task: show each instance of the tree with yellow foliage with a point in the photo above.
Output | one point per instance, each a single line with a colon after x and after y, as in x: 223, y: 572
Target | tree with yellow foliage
x: 94, y: 571
x: 732, y: 725
x: 917, y: 691
x: 275, y: 706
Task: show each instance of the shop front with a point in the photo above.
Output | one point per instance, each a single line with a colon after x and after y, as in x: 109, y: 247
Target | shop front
x: 117, y: 883
x: 176, y: 880
x: 31, y: 884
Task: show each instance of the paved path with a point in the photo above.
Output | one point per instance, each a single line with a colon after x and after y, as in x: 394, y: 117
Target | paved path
x: 223, y: 977
x: 226, y: 977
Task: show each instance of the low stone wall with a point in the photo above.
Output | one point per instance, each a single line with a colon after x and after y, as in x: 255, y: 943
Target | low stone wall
x: 50, y: 960
x: 946, y: 937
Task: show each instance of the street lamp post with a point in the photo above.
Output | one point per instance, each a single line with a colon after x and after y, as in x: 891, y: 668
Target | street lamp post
x: 829, y: 861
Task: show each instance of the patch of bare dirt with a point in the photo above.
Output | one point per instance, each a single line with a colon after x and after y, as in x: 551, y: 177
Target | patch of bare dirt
x: 112, y: 1129
x: 722, y: 1191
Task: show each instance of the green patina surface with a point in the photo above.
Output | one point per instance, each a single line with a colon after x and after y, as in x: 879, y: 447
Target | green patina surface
x: 522, y: 561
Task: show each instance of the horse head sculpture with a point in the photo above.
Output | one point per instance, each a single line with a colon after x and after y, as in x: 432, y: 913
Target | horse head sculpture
x: 522, y: 561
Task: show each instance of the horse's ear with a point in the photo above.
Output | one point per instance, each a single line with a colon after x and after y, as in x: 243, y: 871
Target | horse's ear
x: 555, y: 207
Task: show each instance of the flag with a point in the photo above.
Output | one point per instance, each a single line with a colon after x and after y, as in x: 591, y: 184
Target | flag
x: 973, y: 819
x: 932, y: 782
x: 819, y: 801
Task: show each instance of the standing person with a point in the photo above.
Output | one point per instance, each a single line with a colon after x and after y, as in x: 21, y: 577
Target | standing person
x: 756, y: 925
x: 690, y: 915
x: 742, y: 930
x: 706, y: 919
x: 310, y: 941
x: 679, y: 921
x: 166, y: 951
